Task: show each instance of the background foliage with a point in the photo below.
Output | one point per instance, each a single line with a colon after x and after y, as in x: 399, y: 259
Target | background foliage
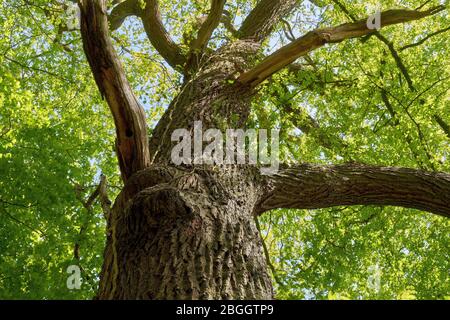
x: 56, y: 137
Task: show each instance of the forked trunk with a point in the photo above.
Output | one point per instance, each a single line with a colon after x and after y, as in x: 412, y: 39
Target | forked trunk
x: 189, y: 233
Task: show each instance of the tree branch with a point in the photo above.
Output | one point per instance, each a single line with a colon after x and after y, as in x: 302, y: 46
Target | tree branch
x: 319, y: 37
x: 394, y: 121
x: 267, y: 254
x: 444, y: 126
x: 263, y: 18
x: 302, y: 120
x: 208, y: 27
x: 153, y: 25
x: 122, y: 11
x: 398, y: 60
x: 9, y: 215
x: 314, y: 186
x: 227, y: 21
x: 389, y: 44
x: 129, y: 117
x: 159, y: 37
x: 418, y: 43
x: 389, y: 107
x: 103, y: 197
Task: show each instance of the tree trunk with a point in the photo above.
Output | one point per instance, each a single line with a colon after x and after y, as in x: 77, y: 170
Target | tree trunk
x: 179, y: 233
x: 189, y: 232
x: 185, y: 234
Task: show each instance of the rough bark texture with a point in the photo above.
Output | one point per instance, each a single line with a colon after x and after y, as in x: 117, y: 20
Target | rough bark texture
x: 189, y: 233
x: 314, y: 186
x: 185, y: 234
x: 260, y: 22
x: 210, y: 95
x: 131, y: 128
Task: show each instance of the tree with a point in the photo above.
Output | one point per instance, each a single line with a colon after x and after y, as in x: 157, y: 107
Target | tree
x: 192, y: 231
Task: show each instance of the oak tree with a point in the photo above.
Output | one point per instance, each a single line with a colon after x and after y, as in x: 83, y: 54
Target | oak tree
x: 363, y: 116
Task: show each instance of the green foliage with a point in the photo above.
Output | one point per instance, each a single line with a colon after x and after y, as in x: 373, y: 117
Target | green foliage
x: 55, y: 134
x: 336, y: 253
x: 358, y: 253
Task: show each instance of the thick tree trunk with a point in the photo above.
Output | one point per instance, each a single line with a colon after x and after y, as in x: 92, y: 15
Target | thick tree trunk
x: 179, y: 233
x: 189, y: 233
x: 185, y: 234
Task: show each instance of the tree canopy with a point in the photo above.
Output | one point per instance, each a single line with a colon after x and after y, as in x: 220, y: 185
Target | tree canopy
x: 379, y: 99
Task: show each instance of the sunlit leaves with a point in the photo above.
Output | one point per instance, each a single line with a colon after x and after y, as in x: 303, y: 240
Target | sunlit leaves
x: 55, y: 133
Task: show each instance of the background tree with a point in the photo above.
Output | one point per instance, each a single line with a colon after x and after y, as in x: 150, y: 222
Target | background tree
x: 347, y: 99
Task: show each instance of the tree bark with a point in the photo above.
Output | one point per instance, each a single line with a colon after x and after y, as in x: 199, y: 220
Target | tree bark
x: 185, y: 234
x: 314, y: 186
x: 189, y: 232
x: 129, y: 117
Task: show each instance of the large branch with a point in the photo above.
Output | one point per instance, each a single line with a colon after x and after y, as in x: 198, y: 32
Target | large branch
x: 319, y: 37
x: 208, y: 27
x: 129, y: 117
x: 159, y: 37
x: 263, y: 18
x: 314, y: 186
x: 122, y: 11
x: 153, y: 25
